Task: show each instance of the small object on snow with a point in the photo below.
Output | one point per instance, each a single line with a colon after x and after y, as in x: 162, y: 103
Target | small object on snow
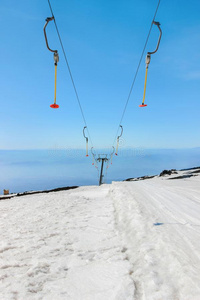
x: 157, y: 224
x: 6, y: 192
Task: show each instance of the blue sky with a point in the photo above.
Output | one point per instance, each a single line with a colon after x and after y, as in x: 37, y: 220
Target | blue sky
x: 103, y: 41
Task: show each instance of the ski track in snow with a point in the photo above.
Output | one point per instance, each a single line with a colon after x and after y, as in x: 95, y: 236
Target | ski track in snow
x: 62, y: 246
x: 136, y: 240
x: 162, y: 236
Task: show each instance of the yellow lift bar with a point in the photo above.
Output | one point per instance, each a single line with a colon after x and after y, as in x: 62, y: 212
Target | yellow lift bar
x: 147, y: 61
x: 56, y: 60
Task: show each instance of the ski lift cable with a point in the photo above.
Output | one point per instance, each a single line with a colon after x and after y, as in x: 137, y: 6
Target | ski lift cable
x: 136, y: 73
x: 70, y: 72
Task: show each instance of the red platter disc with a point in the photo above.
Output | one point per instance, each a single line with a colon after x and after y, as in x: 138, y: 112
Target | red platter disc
x: 54, y: 105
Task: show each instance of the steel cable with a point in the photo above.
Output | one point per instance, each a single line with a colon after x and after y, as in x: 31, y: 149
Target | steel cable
x: 70, y: 72
x: 136, y: 73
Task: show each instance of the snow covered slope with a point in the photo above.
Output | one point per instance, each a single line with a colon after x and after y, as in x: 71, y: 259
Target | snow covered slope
x: 128, y: 240
x: 159, y: 220
x: 62, y: 245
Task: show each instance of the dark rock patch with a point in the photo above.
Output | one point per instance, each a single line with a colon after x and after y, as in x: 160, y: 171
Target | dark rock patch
x: 139, y: 178
x: 40, y: 192
x: 182, y: 177
x: 197, y: 171
x: 190, y: 169
x: 168, y: 172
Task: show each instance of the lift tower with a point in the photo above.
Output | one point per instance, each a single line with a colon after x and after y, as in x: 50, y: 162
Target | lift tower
x: 102, y: 158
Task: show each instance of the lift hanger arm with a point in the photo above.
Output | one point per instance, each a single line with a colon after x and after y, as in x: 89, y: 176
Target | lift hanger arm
x: 84, y: 133
x: 116, y: 153
x: 45, y: 35
x: 92, y: 151
x: 121, y: 131
x: 113, y: 150
x: 111, y: 155
x: 158, y: 25
x: 86, y: 140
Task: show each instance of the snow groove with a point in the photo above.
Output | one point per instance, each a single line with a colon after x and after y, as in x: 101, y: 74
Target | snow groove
x: 154, y: 222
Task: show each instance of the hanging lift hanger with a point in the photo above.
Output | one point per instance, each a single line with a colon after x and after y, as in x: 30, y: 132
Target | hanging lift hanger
x: 86, y: 140
x: 56, y: 60
x: 147, y: 61
x: 111, y: 155
x: 116, y: 153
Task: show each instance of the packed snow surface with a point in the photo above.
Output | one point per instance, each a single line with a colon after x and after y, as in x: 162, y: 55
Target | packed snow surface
x: 127, y: 240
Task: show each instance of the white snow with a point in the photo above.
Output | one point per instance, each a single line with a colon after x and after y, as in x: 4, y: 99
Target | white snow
x: 127, y: 240
x: 62, y: 245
